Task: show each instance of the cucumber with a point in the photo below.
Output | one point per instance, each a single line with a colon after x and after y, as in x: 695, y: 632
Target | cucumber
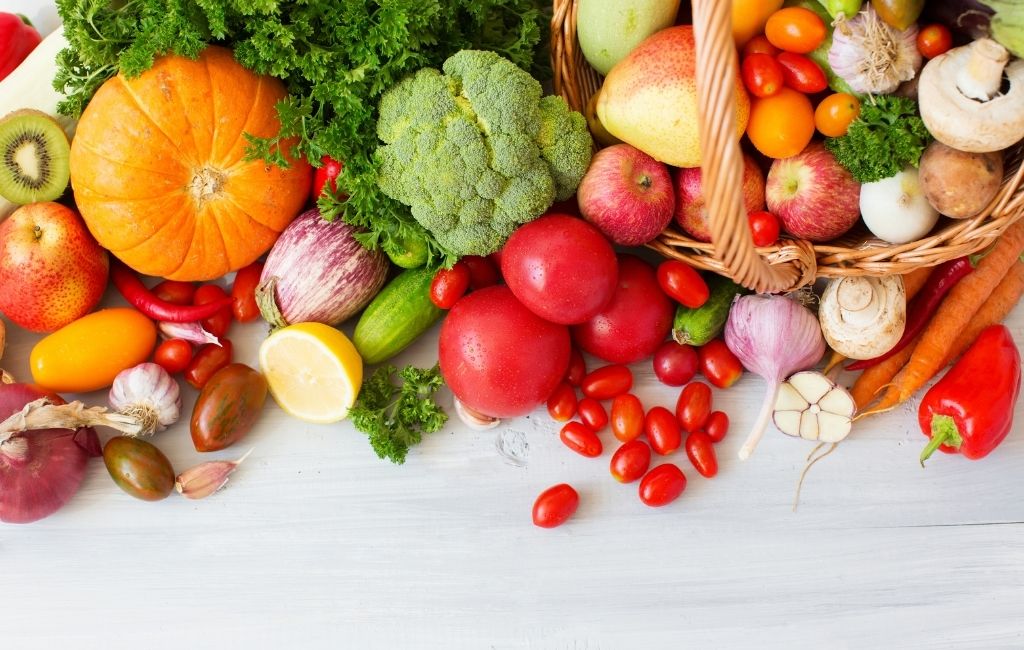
x: 396, y: 317
x: 698, y: 326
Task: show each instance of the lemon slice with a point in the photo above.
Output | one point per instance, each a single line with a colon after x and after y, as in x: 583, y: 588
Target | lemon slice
x: 313, y: 370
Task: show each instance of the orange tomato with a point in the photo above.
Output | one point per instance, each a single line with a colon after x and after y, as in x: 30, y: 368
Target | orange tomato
x: 749, y: 18
x: 795, y: 29
x: 781, y: 125
x: 87, y: 354
x: 834, y: 114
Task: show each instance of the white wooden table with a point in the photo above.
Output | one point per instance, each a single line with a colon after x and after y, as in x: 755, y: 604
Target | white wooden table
x: 318, y: 544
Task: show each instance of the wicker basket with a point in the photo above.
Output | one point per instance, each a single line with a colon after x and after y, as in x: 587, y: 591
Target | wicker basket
x: 791, y: 263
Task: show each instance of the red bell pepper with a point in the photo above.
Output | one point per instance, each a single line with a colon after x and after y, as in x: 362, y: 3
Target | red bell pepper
x: 17, y: 40
x: 970, y: 410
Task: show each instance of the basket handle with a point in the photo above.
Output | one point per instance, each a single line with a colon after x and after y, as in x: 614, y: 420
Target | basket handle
x: 722, y: 162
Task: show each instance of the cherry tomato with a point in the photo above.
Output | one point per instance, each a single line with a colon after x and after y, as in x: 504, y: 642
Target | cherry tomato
x: 795, y: 29
x: 835, y: 113
x: 662, y: 485
x: 607, y: 382
x: 782, y: 125
x: 717, y: 426
x: 627, y: 417
x: 764, y: 227
x: 682, y: 283
x: 701, y: 452
x: 208, y: 359
x: 482, y: 272
x: 762, y: 75
x: 933, y: 40
x: 219, y: 323
x: 175, y: 292
x: 173, y: 355
x: 693, y: 406
x: 562, y: 403
x: 675, y: 363
x: 577, y: 368
x: 662, y: 430
x: 801, y: 73
x: 592, y: 413
x: 243, y: 293
x: 555, y: 505
x: 328, y: 171
x: 630, y: 461
x: 719, y: 364
x: 759, y: 45
x: 581, y: 439
x: 449, y: 285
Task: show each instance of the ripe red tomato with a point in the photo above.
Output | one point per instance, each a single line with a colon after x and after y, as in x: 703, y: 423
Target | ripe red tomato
x: 682, y: 283
x: 498, y: 357
x: 449, y: 285
x: 764, y: 227
x: 482, y: 271
x: 717, y: 426
x: 636, y: 321
x: 662, y: 430
x: 701, y: 452
x: 627, y: 417
x: 933, y: 40
x: 795, y: 29
x: 562, y: 402
x: 581, y: 439
x: 560, y: 267
x: 607, y: 382
x: 675, y: 363
x: 208, y: 359
x: 175, y: 292
x: 693, y: 406
x: 219, y: 323
x: 328, y: 171
x: 801, y: 73
x: 555, y: 505
x: 719, y: 364
x: 577, y: 367
x: 759, y: 45
x: 592, y: 413
x: 762, y: 75
x: 834, y: 113
x: 243, y: 293
x: 662, y: 485
x: 173, y: 355
x: 630, y: 461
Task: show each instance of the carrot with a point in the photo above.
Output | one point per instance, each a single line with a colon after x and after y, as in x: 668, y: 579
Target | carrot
x: 994, y: 310
x: 956, y: 311
x: 865, y: 390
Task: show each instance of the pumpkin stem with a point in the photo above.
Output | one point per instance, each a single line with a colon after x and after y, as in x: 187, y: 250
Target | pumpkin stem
x: 206, y: 184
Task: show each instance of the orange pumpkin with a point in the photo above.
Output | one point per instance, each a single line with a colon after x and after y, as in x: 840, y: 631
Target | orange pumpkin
x: 158, y: 168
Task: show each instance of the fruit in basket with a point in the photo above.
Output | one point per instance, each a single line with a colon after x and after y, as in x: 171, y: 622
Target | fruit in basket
x: 608, y: 30
x: 649, y: 99
x: 895, y: 208
x: 159, y: 170
x: 959, y: 184
x: 795, y: 29
x: 34, y: 166
x: 594, y: 125
x: 627, y: 195
x: 52, y: 271
x: 691, y: 211
x: 901, y: 14
x: 781, y: 125
x: 813, y: 196
x: 872, y: 56
x: 749, y: 18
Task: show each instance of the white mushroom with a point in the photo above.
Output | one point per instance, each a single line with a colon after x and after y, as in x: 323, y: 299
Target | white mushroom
x: 863, y: 317
x: 811, y: 406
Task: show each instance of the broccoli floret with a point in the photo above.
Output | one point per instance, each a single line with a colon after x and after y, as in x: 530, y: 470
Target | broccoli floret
x: 476, y: 151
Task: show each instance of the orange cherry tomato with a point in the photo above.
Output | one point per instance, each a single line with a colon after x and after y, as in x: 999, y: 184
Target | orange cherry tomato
x: 759, y: 45
x: 627, y: 417
x: 795, y: 29
x: 834, y: 114
x: 934, y: 40
x: 781, y: 125
x: 562, y: 402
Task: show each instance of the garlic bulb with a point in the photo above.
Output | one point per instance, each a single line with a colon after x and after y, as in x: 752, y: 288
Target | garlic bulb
x: 811, y: 406
x: 873, y: 56
x: 149, y: 394
x: 863, y: 317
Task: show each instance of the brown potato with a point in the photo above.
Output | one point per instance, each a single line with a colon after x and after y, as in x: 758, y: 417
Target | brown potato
x: 960, y: 184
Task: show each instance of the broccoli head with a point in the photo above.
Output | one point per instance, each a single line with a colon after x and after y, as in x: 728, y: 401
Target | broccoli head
x: 476, y: 150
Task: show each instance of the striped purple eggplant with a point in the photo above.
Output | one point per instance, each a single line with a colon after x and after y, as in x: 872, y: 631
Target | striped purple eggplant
x: 318, y: 272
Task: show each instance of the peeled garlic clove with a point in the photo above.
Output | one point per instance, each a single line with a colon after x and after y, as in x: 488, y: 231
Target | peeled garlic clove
x: 811, y: 406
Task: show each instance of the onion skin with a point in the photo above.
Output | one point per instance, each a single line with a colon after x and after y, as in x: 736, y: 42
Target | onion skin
x: 322, y: 273
x: 39, y: 484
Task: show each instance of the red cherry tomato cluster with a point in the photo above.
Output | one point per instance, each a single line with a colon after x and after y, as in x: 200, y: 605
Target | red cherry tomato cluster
x: 469, y: 273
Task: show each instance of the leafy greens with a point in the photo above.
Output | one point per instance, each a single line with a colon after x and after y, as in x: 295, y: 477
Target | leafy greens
x: 886, y: 137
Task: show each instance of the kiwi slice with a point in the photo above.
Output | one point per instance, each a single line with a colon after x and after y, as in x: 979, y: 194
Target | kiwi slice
x: 34, y: 152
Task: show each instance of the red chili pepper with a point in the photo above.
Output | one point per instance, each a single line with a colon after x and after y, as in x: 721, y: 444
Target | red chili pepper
x: 970, y: 410
x: 923, y: 306
x: 141, y: 298
x: 19, y: 38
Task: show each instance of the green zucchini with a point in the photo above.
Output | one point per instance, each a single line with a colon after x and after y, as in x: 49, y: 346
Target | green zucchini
x: 400, y: 313
x: 700, y: 325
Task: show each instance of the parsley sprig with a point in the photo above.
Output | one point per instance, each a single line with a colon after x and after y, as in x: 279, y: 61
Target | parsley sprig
x: 886, y: 137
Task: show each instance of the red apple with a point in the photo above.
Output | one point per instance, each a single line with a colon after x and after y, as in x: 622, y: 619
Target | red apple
x: 627, y: 195
x: 52, y: 271
x: 813, y: 196
x: 691, y: 213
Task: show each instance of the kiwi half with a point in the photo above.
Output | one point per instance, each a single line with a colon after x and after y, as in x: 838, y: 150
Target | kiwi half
x: 34, y: 152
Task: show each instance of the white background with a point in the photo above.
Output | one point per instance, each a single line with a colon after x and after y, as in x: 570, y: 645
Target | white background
x: 318, y: 544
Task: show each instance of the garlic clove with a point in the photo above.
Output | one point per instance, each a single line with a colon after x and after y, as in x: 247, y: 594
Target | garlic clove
x: 833, y: 427
x: 207, y: 478
x: 788, y: 421
x: 474, y: 419
x: 809, y: 386
x: 838, y: 401
x: 827, y: 411
x: 789, y: 399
